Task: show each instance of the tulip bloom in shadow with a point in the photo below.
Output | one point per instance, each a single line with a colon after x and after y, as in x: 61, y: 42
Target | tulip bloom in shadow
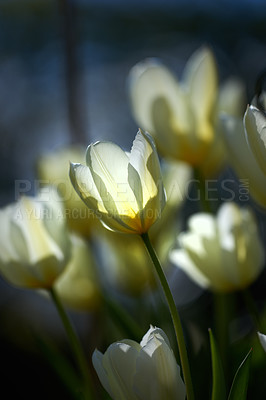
x: 145, y: 371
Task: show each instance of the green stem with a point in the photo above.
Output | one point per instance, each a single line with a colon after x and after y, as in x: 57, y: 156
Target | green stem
x: 174, y: 314
x: 223, y: 311
x: 75, y: 345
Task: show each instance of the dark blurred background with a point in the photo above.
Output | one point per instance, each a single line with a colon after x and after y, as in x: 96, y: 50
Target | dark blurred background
x: 63, y: 78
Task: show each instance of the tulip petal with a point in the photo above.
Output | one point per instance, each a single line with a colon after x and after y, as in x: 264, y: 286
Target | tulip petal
x: 154, y: 331
x: 200, y: 75
x: 157, y: 373
x: 144, y: 159
x: 203, y: 224
x: 30, y: 232
x: 242, y: 159
x: 97, y: 361
x: 255, y: 128
x: 53, y: 210
x: 84, y: 185
x: 232, y: 98
x: 241, y: 244
x: 150, y: 81
x: 86, y: 188
x: 181, y: 259
x: 262, y: 339
x: 119, y: 361
x: 109, y: 167
x: 77, y: 285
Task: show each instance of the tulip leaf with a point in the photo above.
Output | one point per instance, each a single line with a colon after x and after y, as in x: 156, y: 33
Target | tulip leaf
x: 218, y: 381
x: 240, y: 383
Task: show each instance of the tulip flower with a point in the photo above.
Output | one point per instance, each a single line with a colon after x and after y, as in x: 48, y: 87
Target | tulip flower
x: 124, y: 190
x: 145, y: 371
x: 262, y: 339
x: 183, y: 117
x: 255, y: 128
x: 127, y: 266
x: 77, y: 285
x: 223, y: 253
x: 178, y: 115
x: 242, y: 159
x: 52, y: 169
x: 34, y: 243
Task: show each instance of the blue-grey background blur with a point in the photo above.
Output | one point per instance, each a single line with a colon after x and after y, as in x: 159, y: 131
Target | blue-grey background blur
x: 62, y: 72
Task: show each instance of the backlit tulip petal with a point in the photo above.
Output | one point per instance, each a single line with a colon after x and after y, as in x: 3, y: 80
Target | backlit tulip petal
x: 200, y: 76
x: 262, y: 339
x: 180, y: 116
x: 255, y: 128
x: 242, y: 159
x: 144, y: 94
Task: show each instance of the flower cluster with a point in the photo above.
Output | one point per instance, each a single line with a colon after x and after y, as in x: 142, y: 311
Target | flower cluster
x: 157, y: 241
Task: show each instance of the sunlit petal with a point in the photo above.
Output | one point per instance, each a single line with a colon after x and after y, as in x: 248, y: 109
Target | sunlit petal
x: 255, y: 127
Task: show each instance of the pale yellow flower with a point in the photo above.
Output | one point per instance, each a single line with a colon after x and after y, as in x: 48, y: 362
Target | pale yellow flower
x: 145, y: 371
x: 178, y: 115
x: 77, y: 285
x: 183, y: 116
x: 34, y: 243
x: 125, y: 191
x: 53, y: 169
x: 223, y: 253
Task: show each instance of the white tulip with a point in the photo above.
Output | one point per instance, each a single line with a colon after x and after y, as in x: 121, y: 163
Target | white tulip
x: 146, y: 371
x: 124, y: 190
x: 178, y: 115
x: 34, y: 243
x: 223, y: 253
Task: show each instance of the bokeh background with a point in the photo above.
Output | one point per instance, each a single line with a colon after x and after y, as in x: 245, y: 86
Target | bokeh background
x: 63, y: 79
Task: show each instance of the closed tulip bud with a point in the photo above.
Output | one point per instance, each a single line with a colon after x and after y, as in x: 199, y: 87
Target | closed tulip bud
x: 34, y: 243
x: 178, y: 115
x: 262, y: 339
x: 145, y: 371
x: 77, y: 285
x: 124, y: 190
x: 255, y: 128
x: 222, y: 253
